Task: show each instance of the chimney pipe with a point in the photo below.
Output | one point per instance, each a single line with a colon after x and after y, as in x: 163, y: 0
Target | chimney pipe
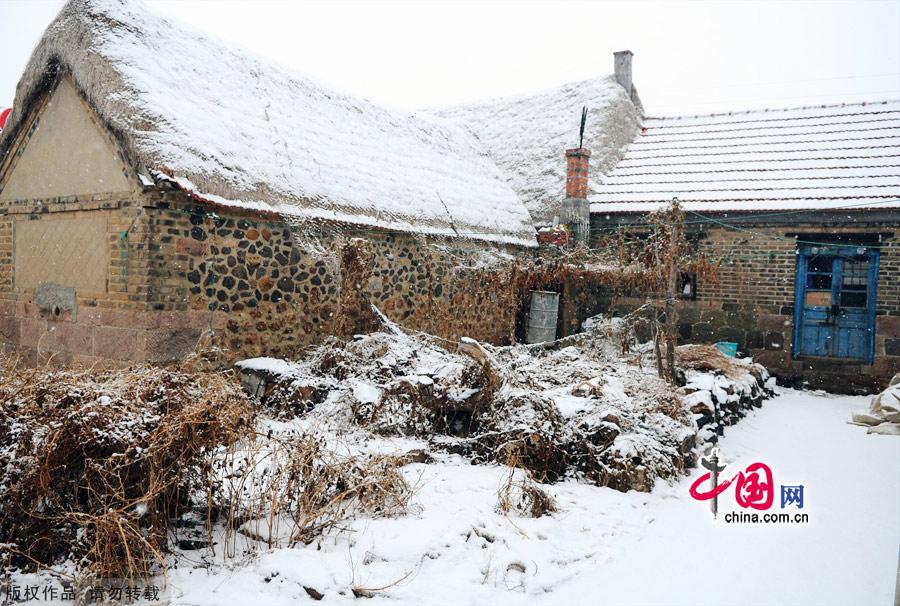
x: 622, y: 64
x: 575, y: 210
x: 577, y: 168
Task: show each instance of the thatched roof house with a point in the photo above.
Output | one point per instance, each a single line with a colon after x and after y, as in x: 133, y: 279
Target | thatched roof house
x: 241, y: 131
x: 157, y: 185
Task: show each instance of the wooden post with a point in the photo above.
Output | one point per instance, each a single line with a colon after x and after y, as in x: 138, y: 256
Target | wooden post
x: 675, y: 238
x: 671, y: 317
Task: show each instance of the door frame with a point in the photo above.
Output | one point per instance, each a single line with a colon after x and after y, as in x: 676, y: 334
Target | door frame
x: 806, y: 251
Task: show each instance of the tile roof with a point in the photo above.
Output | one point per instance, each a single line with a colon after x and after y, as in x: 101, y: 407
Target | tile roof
x: 800, y: 158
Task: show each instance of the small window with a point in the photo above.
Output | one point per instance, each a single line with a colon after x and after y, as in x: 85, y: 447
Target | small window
x: 853, y: 299
x: 854, y: 283
x: 818, y: 273
x: 820, y: 264
x: 818, y: 281
x: 687, y: 286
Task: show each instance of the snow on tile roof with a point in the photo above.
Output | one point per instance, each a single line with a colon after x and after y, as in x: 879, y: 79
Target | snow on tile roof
x: 802, y: 158
x: 243, y: 131
x: 527, y: 136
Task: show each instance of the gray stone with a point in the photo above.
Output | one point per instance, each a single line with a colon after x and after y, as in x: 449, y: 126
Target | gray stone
x: 54, y: 299
x: 892, y: 347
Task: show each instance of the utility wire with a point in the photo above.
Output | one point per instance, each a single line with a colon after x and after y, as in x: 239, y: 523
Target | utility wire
x: 779, y: 99
x: 701, y: 219
x: 749, y: 84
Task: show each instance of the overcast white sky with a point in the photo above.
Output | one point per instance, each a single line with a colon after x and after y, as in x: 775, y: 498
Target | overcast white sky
x: 695, y: 57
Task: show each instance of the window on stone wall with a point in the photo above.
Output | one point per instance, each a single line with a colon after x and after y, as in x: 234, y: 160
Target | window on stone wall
x: 687, y: 285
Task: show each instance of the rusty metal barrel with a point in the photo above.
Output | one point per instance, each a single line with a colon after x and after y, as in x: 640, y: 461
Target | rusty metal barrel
x: 542, y: 317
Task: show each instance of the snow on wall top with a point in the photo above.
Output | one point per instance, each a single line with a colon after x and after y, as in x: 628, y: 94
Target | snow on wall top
x: 803, y: 158
x: 240, y: 130
x: 527, y: 136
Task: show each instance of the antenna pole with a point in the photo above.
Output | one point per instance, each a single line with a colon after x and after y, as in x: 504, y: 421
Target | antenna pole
x: 581, y: 131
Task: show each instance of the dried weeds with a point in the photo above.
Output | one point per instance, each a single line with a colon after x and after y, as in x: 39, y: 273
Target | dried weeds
x: 93, y: 463
x: 520, y: 494
x: 284, y: 491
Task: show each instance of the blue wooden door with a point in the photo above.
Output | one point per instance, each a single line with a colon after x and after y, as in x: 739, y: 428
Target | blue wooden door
x: 835, y: 306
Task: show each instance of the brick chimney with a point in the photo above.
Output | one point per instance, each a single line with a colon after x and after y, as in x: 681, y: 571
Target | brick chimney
x: 575, y: 211
x: 622, y: 64
x: 577, y: 166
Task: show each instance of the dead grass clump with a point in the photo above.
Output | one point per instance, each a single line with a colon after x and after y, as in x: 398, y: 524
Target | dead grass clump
x: 357, y: 262
x: 288, y: 491
x: 424, y: 406
x: 207, y: 356
x: 286, y: 397
x: 672, y: 406
x: 528, y: 429
x: 407, y: 406
x: 707, y: 358
x: 92, y: 462
x: 521, y: 495
x: 331, y: 358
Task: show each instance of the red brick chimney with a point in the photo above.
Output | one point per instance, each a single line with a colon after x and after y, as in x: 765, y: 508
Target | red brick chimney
x: 577, y: 165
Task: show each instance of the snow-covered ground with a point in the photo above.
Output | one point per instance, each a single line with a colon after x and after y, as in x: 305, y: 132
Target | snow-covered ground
x: 604, y: 546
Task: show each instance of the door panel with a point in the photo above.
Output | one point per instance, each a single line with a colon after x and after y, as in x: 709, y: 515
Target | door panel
x: 835, y: 302
x: 816, y: 333
x: 851, y: 319
x: 817, y: 327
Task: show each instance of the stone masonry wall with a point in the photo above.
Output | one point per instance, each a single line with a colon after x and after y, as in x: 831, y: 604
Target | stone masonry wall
x: 751, y: 302
x: 265, y: 288
x: 178, y: 269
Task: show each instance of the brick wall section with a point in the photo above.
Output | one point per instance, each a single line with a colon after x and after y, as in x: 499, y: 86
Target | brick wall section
x: 577, y: 172
x: 104, y: 327
x: 751, y: 302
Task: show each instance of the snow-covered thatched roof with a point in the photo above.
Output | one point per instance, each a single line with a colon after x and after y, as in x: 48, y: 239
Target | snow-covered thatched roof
x: 240, y: 130
x: 527, y: 136
x: 809, y: 158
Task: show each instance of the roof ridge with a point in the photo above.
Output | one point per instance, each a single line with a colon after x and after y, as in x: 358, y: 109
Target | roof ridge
x: 513, y: 97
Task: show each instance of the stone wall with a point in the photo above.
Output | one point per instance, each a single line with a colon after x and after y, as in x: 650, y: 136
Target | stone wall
x: 269, y: 289
x: 751, y: 302
x: 173, y: 270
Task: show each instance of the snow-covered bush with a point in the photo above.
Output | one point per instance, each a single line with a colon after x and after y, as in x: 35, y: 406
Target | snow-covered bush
x: 588, y: 406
